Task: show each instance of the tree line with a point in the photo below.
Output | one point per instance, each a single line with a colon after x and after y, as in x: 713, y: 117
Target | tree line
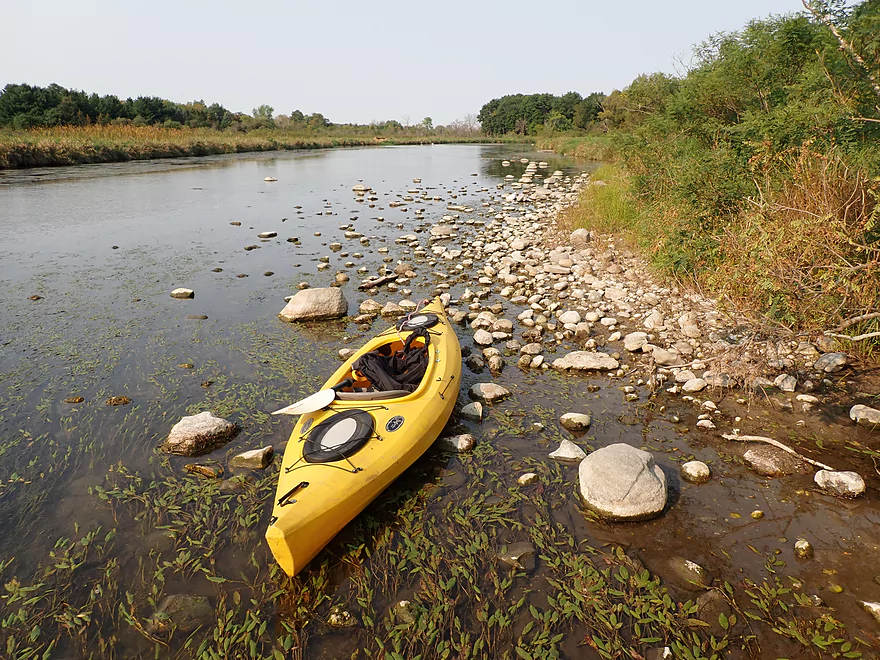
x: 29, y: 106
x: 528, y: 114
x: 25, y: 106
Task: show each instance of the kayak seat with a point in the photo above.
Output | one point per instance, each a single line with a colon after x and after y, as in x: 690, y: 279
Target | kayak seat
x: 375, y: 395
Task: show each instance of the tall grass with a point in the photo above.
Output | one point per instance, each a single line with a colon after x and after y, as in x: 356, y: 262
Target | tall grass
x: 607, y: 207
x: 802, y: 250
x: 806, y: 247
x: 73, y: 145
x: 590, y: 147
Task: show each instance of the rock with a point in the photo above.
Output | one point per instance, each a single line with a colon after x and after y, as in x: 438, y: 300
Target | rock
x: 496, y: 363
x: 634, y: 341
x: 570, y: 317
x: 458, y: 443
x: 341, y: 618
x: 267, y: 234
x: 586, y: 360
x: 785, y: 382
x: 391, y: 308
x: 717, y: 380
x: 527, y: 479
x: 614, y: 293
x: 871, y: 608
x: 694, y: 385
x: 654, y: 320
x: 489, y: 392
x: 210, y: 471
x: 689, y: 575
x: 840, y: 484
x: 483, y: 338
x: 473, y: 411
x: 74, y: 399
x: 183, y: 294
x: 404, y: 612
x: 575, y: 421
x: 620, y: 482
x: 197, y: 434
x: 827, y: 344
x: 865, y: 416
x: 831, y: 362
x: 181, y: 612
x: 696, y: 472
x: 442, y: 231
x: 684, y: 376
x: 707, y: 424
x: 118, y: 401
x: 710, y: 606
x: 232, y: 485
x: 475, y: 363
x: 568, y: 452
x: 803, y: 549
x: 691, y: 331
x: 772, y: 462
x: 312, y: 304
x: 533, y: 348
x: 255, y: 459
x: 520, y: 556
x: 666, y: 358
x: 370, y: 306
x: 579, y: 238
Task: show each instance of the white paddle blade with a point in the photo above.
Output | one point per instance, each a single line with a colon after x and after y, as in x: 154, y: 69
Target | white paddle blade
x: 311, y: 403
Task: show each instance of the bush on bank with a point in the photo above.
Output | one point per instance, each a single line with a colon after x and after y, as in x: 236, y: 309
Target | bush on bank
x: 757, y: 173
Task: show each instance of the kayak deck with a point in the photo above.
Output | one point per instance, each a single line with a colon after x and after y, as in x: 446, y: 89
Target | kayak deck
x: 315, y: 500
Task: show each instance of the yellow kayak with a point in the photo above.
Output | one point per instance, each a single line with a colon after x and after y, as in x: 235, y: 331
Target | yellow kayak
x: 341, y: 457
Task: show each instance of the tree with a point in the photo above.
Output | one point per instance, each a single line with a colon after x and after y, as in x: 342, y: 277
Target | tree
x: 428, y: 123
x: 297, y: 117
x: 264, y: 112
x: 317, y: 120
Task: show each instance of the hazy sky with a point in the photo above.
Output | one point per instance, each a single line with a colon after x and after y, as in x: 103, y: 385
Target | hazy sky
x: 356, y: 61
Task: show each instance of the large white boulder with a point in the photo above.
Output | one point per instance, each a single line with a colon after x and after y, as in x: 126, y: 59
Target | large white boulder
x: 197, y: 434
x: 585, y: 361
x: 865, y: 416
x: 489, y: 392
x: 620, y: 482
x: 312, y: 304
x: 840, y: 484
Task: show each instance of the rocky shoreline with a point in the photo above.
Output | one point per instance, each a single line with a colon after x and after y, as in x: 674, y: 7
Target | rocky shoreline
x: 597, y: 305
x: 538, y: 296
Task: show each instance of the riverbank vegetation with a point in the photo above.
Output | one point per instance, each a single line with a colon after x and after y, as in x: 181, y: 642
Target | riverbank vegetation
x: 42, y: 127
x: 74, y: 145
x: 756, y: 174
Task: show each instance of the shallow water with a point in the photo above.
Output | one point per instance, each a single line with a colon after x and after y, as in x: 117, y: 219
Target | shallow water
x: 104, y: 245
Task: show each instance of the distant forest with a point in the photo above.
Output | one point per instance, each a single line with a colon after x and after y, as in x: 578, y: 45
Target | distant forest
x: 28, y: 106
x: 529, y: 114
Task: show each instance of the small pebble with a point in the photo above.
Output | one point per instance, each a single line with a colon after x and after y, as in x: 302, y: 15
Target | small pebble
x: 803, y: 549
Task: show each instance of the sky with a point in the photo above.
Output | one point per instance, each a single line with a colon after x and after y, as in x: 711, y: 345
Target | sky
x: 357, y: 61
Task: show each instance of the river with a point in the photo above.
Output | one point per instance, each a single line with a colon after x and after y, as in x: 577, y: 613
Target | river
x: 97, y: 526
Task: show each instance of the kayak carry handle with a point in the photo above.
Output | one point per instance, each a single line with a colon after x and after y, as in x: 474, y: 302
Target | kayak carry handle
x: 285, y: 499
